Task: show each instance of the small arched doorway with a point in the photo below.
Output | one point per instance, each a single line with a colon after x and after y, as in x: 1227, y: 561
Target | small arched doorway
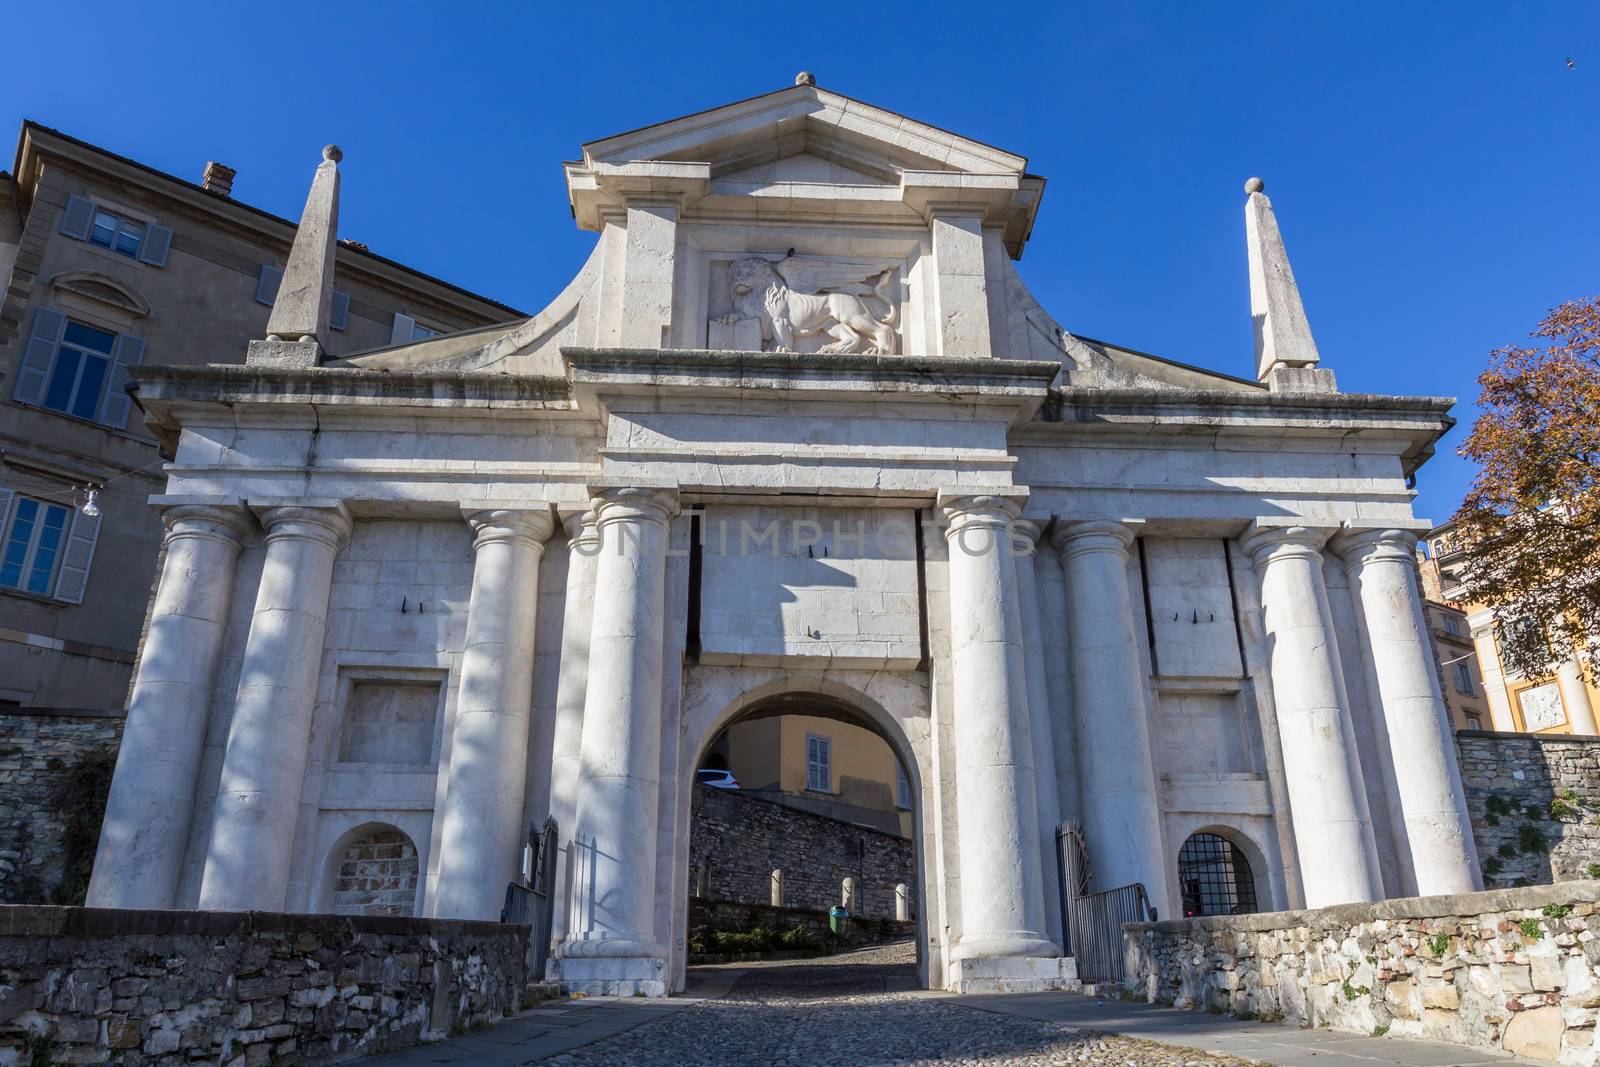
x: 817, y: 795
x: 372, y: 870
x: 1215, y: 877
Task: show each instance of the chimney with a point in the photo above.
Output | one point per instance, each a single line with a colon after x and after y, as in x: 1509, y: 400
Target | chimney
x: 218, y: 178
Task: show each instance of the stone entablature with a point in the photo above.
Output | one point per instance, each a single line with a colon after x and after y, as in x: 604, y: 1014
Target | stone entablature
x: 1516, y: 970
x: 86, y: 985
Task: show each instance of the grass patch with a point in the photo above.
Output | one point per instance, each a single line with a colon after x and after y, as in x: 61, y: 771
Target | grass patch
x: 1557, y: 911
x: 1439, y: 944
x: 1531, y: 930
x: 1351, y: 992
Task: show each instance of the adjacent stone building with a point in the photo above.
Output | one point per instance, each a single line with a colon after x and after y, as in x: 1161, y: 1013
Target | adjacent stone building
x: 797, y: 427
x: 107, y: 264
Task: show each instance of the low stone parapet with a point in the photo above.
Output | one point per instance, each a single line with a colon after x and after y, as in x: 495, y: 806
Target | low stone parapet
x: 89, y: 985
x: 1511, y: 969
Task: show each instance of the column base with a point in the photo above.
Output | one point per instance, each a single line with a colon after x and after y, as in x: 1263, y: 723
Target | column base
x: 612, y: 976
x: 1012, y: 974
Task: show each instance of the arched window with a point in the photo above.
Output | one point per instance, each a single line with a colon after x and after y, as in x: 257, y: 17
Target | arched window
x: 376, y: 874
x: 1215, y: 877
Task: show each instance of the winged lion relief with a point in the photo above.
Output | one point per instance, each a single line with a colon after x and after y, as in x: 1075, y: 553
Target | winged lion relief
x: 798, y: 297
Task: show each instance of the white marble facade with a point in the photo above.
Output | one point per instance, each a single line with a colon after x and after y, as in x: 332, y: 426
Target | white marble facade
x: 797, y: 427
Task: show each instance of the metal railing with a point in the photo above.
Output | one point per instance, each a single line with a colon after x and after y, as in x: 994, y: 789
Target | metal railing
x: 529, y: 903
x: 1092, y: 922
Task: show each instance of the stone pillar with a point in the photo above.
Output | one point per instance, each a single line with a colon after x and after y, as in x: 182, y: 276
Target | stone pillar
x: 481, y: 832
x: 611, y: 945
x: 1327, y: 798
x: 1117, y: 787
x: 1575, y: 695
x: 264, y: 765
x: 583, y: 542
x: 648, y: 265
x: 902, y: 902
x: 146, y: 828
x: 1002, y: 909
x: 777, y: 889
x: 1431, y: 822
x: 961, y: 288
x: 847, y: 895
x: 1046, y: 790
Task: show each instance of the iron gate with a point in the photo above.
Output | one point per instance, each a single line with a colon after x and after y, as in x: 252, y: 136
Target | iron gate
x: 528, y: 902
x: 1092, y: 922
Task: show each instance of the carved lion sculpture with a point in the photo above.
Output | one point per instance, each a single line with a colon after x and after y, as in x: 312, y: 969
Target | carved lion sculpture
x: 800, y: 297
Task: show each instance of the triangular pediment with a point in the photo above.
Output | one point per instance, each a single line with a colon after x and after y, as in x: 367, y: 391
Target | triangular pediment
x: 805, y: 169
x: 804, y: 120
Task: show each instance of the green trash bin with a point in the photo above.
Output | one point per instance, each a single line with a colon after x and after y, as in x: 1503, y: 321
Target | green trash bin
x: 838, y: 919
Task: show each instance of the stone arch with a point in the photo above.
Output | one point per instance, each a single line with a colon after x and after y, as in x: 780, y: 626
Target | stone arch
x: 1259, y: 882
x: 103, y: 289
x: 717, y: 697
x: 372, y: 869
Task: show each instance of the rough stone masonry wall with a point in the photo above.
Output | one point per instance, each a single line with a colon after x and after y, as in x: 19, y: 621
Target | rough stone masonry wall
x: 55, y: 769
x: 1510, y: 969
x: 85, y: 985
x: 743, y: 838
x: 1535, y: 804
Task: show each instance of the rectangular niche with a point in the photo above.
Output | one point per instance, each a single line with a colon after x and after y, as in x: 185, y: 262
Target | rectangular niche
x: 389, y: 720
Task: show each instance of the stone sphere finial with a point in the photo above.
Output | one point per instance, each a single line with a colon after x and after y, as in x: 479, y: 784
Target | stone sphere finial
x: 332, y: 152
x: 805, y: 77
x: 1254, y: 185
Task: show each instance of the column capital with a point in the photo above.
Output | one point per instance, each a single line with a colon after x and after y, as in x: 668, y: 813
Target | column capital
x: 1359, y: 547
x: 493, y: 525
x: 582, y: 530
x: 1266, y: 543
x: 635, y: 503
x: 226, y: 524
x: 1028, y: 532
x: 986, y: 510
x: 309, y: 520
x: 1080, y: 538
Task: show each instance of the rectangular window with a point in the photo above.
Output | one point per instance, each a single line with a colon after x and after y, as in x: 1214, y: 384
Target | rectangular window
x: 116, y: 233
x: 420, y: 332
x: 78, y: 375
x: 902, y: 788
x: 1464, y: 677
x: 1452, y: 625
x: 1474, y: 723
x: 32, y: 545
x: 819, y: 763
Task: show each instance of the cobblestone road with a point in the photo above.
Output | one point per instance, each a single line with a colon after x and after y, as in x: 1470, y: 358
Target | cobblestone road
x: 837, y: 1013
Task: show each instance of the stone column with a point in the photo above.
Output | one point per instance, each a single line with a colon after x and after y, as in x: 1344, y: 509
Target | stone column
x: 612, y: 942
x: 1327, y: 798
x: 264, y: 764
x: 1002, y: 909
x: 481, y: 832
x: 1431, y: 822
x: 146, y: 827
x: 1117, y: 787
x: 1575, y: 695
x: 583, y: 542
x: 1046, y: 790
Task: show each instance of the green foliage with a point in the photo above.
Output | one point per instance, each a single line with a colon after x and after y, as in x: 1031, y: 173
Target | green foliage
x: 1530, y: 839
x: 1508, y: 850
x: 1520, y: 883
x: 1499, y: 805
x: 1565, y: 806
x: 1439, y: 944
x: 1351, y: 992
x: 1557, y: 911
x: 1531, y: 930
x: 1492, y: 866
x: 40, y: 1050
x: 1594, y: 870
x: 1379, y: 1031
x: 81, y: 799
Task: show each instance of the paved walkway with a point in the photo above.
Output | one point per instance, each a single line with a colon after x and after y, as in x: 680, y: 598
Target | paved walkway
x: 863, y: 1009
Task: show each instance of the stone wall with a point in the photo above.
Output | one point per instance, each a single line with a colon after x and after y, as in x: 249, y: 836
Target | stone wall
x: 739, y: 839
x: 85, y: 985
x: 1535, y: 803
x: 55, y: 769
x: 1510, y: 969
x: 729, y: 916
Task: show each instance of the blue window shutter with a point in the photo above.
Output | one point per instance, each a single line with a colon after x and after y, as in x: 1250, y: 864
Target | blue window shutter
x: 75, y: 220
x: 267, y: 284
x: 73, y: 578
x: 34, y: 374
x: 403, y: 325
x: 114, y: 408
x: 153, y: 249
x: 341, y: 311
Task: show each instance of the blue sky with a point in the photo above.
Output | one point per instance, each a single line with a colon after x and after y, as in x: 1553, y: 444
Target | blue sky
x: 1433, y: 166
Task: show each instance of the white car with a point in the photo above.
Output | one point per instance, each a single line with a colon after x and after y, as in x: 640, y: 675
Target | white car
x: 717, y: 779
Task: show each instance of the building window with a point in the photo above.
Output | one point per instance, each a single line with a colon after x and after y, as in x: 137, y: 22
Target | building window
x: 1473, y: 722
x: 1452, y: 625
x: 33, y: 541
x: 819, y: 763
x: 420, y: 332
x: 116, y: 233
x: 902, y: 788
x: 1215, y: 878
x: 1464, y: 677
x: 82, y: 366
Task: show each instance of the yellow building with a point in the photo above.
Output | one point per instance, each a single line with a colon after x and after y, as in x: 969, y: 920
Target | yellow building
x: 820, y: 764
x: 1560, y: 703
